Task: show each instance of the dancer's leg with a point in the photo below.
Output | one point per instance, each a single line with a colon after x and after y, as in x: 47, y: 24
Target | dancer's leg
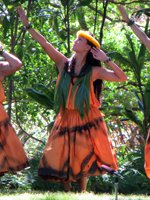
x: 82, y: 183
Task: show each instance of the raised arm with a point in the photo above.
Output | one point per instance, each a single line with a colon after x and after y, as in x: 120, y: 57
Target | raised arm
x: 53, y: 53
x: 138, y: 32
x: 10, y: 65
x: 115, y: 74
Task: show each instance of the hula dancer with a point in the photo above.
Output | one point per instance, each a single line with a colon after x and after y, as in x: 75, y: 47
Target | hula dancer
x: 12, y: 155
x: 78, y: 144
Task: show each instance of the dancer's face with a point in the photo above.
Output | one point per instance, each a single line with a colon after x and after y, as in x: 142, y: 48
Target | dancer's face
x: 80, y: 45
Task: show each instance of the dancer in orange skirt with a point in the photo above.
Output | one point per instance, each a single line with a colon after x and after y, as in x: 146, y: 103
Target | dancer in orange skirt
x: 12, y: 155
x: 146, y: 41
x: 147, y: 155
x: 78, y: 144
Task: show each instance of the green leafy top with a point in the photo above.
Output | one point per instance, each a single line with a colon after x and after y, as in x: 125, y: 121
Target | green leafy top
x: 82, y: 86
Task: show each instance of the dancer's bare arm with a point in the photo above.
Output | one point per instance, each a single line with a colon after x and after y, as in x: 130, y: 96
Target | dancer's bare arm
x: 53, y: 53
x: 10, y: 65
x: 138, y: 32
x: 114, y: 74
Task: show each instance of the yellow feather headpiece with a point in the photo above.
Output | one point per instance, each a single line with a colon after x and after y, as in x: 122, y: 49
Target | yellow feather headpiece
x: 86, y: 35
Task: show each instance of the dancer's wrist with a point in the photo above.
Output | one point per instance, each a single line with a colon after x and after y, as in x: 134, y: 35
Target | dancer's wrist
x: 107, y: 60
x: 130, y: 22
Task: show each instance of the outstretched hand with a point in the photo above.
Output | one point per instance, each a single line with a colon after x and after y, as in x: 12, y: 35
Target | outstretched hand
x: 98, y: 54
x: 23, y: 16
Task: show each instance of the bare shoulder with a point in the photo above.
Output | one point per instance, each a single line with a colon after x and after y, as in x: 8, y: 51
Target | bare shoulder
x: 61, y: 65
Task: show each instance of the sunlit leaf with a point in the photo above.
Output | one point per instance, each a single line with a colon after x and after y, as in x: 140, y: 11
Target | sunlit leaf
x: 133, y: 117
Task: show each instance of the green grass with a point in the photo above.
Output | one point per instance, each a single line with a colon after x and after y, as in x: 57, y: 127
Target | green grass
x: 68, y: 196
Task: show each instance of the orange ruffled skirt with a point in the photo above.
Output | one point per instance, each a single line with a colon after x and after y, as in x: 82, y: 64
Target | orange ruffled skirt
x: 147, y: 155
x: 77, y: 148
x: 12, y: 155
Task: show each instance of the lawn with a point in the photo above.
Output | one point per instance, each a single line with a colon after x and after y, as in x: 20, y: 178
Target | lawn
x: 68, y: 196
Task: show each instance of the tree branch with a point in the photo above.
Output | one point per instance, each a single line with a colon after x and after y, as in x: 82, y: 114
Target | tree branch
x: 105, y: 4
x: 127, y: 3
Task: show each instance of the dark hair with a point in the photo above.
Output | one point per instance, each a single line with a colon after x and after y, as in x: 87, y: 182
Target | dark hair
x: 98, y: 84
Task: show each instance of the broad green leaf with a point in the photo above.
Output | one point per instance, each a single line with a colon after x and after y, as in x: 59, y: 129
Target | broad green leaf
x: 132, y: 116
x: 132, y: 57
x: 120, y: 57
x: 45, y: 90
x: 147, y: 99
x: 141, y: 56
x: 40, y: 98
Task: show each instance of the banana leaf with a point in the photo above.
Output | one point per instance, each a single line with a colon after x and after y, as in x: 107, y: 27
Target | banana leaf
x: 45, y: 90
x: 132, y: 57
x: 132, y: 47
x: 147, y: 99
x: 141, y: 56
x: 42, y: 99
x: 117, y: 110
x: 132, y: 116
x: 118, y: 56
